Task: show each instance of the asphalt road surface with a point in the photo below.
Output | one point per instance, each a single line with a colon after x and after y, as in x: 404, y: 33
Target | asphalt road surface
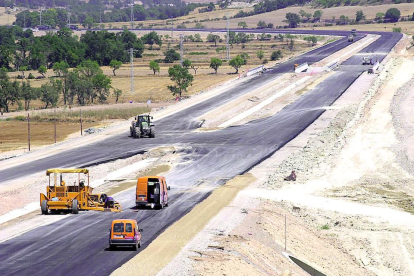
x: 78, y: 245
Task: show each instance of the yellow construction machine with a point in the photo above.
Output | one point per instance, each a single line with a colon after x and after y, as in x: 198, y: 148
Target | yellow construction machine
x: 62, y: 196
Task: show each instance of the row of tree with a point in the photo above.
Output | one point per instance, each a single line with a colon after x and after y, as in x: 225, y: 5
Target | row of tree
x: 21, y: 51
x: 85, y: 84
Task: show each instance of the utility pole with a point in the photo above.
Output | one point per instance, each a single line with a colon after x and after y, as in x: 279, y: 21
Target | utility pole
x: 41, y: 9
x: 81, y: 121
x: 228, y: 39
x: 28, y: 129
x: 68, y: 19
x: 181, y: 49
x: 172, y: 30
x: 55, y: 124
x: 131, y: 59
x: 24, y: 19
x: 132, y: 14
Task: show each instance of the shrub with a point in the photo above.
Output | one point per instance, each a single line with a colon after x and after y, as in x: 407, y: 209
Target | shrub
x: 31, y: 77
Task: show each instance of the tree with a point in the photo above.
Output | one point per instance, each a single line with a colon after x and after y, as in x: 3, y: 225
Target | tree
x: 242, y: 24
x: 171, y: 55
x: 28, y: 93
x: 359, y: 16
x: 195, y: 68
x: 23, y: 69
x: 101, y: 85
x: 182, y: 80
x: 393, y: 15
x: 117, y: 94
x: 152, y: 38
x: 260, y: 54
x: 42, y: 70
x: 215, y: 63
x: 88, y: 22
x: 276, y: 55
x: 317, y: 15
x: 236, y: 63
x: 302, y: 13
x: 293, y: 19
x: 154, y: 66
x: 115, y: 65
x: 379, y: 16
x: 60, y: 68
x: 9, y: 91
x: 213, y: 38
x: 50, y: 92
x: 187, y: 63
x: 89, y: 68
x: 261, y: 25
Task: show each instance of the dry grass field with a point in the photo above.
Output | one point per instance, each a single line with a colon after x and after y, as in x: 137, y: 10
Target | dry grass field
x: 6, y: 19
x: 277, y: 17
x: 13, y: 134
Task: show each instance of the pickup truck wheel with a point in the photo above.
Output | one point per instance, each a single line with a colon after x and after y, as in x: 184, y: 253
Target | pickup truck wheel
x: 75, y: 206
x: 45, y: 209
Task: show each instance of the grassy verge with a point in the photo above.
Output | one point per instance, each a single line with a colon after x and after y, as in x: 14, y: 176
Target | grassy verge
x: 92, y: 116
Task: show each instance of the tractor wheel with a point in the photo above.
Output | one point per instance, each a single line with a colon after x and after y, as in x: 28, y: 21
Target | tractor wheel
x: 131, y: 134
x: 75, y: 206
x: 152, y: 133
x: 45, y: 209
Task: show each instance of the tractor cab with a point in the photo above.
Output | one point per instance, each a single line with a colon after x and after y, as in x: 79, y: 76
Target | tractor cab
x: 69, y: 190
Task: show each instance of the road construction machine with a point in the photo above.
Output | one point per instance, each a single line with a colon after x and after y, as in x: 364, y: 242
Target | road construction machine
x: 142, y: 126
x: 61, y: 196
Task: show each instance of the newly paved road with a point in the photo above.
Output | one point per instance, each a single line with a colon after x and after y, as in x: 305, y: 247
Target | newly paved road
x: 78, y: 245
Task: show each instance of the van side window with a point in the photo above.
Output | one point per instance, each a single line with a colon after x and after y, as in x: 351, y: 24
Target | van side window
x: 128, y: 227
x: 118, y: 227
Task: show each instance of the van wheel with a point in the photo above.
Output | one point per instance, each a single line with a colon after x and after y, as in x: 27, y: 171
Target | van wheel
x: 45, y: 209
x: 135, y: 247
x: 75, y: 207
x: 112, y: 247
x: 139, y: 244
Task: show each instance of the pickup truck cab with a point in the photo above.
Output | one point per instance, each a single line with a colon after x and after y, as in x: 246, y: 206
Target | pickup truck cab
x: 125, y: 232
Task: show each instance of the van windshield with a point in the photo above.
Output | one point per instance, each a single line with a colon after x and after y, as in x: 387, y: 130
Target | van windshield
x: 118, y: 227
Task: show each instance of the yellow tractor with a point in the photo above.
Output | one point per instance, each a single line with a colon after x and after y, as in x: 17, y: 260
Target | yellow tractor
x: 62, y: 196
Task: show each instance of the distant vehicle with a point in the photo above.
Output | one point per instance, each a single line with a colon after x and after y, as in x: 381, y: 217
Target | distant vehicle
x: 369, y: 60
x: 125, y: 232
x: 353, y: 32
x: 72, y: 27
x: 142, y: 126
x: 152, y: 191
x: 350, y: 38
x: 43, y: 27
